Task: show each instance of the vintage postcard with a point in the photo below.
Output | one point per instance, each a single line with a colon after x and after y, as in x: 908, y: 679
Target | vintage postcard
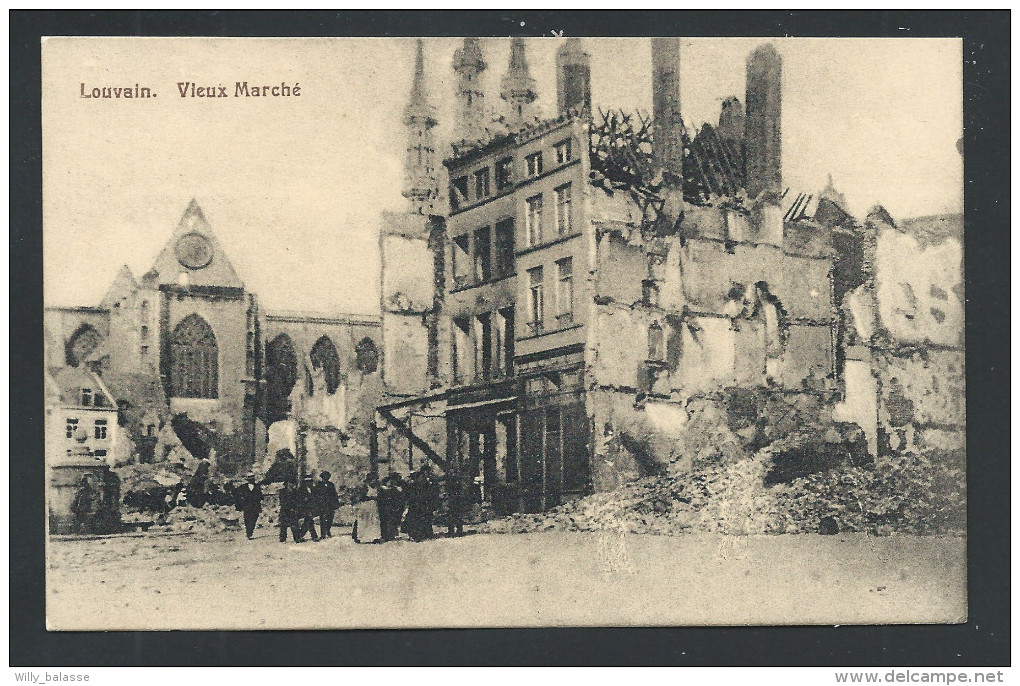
x: 503, y: 332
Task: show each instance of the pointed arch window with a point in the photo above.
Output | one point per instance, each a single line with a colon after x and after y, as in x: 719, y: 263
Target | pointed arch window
x: 281, y: 373
x: 326, y: 361
x: 194, y: 359
x: 367, y: 355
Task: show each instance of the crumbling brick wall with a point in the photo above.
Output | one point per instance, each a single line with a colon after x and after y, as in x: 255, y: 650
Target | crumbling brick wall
x: 686, y: 364
x: 904, y: 325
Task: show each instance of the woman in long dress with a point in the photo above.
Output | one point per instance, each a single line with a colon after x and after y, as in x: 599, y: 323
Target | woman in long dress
x: 367, y: 528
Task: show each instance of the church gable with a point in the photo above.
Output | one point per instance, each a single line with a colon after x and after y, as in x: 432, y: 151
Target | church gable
x: 123, y: 288
x: 193, y: 256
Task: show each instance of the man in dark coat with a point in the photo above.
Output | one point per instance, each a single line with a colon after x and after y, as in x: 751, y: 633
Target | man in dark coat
x: 84, y: 505
x: 306, y: 508
x: 422, y: 497
x: 456, y: 502
x: 290, y: 512
x: 326, y: 503
x: 391, y: 505
x: 199, y: 482
x: 249, y: 502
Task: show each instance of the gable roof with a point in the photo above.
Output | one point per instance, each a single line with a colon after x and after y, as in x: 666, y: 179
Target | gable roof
x: 70, y: 380
x: 167, y: 269
x: 123, y: 285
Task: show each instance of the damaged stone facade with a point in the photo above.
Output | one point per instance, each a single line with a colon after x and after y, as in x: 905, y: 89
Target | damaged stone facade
x: 903, y: 334
x: 196, y: 369
x: 608, y: 301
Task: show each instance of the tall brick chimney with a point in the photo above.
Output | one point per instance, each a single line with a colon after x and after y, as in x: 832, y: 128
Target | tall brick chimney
x: 764, y: 141
x: 762, y: 124
x: 667, y: 138
x: 573, y: 77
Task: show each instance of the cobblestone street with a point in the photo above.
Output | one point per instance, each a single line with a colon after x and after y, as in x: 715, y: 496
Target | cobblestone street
x: 222, y: 581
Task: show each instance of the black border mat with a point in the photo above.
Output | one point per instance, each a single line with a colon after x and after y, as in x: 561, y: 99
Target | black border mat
x: 984, y: 640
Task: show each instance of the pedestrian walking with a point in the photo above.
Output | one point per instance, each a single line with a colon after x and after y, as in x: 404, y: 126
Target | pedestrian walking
x: 456, y: 503
x: 326, y: 503
x: 248, y: 499
x: 366, y: 526
x: 199, y: 483
x: 84, y: 505
x: 290, y: 512
x: 306, y: 505
x: 422, y: 500
x: 391, y: 505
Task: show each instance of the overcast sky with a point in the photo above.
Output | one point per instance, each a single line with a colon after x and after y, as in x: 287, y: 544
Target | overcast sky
x: 293, y: 187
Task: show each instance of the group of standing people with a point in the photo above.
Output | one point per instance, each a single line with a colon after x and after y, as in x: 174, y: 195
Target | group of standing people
x: 394, y: 504
x: 385, y: 509
x: 301, y: 504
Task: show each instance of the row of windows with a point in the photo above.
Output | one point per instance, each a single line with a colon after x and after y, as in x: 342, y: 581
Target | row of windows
x: 488, y: 252
x: 480, y: 180
x: 99, y: 428
x: 535, y: 212
x: 564, y: 296
x: 92, y: 399
x: 480, y: 256
x: 483, y: 346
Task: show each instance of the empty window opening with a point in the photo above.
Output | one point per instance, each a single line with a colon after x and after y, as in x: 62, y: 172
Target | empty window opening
x: 565, y: 292
x: 461, y: 260
x: 564, y: 152
x: 533, y: 162
x: 536, y: 300
x: 563, y: 213
x: 483, y: 254
x: 504, y: 173
x: 482, y: 184
x: 366, y: 356
x: 656, y: 346
x: 504, y: 262
x: 458, y: 192
x: 534, y: 219
x: 326, y: 363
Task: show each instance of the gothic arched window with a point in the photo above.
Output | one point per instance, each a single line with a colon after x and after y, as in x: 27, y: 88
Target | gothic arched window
x: 81, y: 343
x: 281, y: 372
x: 367, y: 355
x: 324, y: 357
x: 194, y: 360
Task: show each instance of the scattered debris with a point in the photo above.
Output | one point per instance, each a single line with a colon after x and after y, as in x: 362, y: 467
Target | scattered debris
x: 908, y: 494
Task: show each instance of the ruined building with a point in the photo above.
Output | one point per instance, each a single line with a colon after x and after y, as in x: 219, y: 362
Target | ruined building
x: 197, y: 368
x: 605, y: 294
x: 901, y: 333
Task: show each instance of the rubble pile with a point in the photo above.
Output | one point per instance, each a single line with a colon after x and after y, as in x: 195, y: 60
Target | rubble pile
x: 908, y: 494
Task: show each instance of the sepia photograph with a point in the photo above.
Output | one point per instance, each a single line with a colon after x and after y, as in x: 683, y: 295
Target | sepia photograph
x: 560, y: 331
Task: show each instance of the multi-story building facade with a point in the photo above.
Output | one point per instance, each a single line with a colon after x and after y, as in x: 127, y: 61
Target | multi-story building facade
x: 81, y: 417
x: 518, y: 308
x: 604, y: 292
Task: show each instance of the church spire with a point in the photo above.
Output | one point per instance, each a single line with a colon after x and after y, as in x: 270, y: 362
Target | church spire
x: 421, y: 185
x: 518, y: 88
x: 469, y: 65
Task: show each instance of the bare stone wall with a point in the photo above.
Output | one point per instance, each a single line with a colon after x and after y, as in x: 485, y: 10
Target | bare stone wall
x: 905, y: 365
